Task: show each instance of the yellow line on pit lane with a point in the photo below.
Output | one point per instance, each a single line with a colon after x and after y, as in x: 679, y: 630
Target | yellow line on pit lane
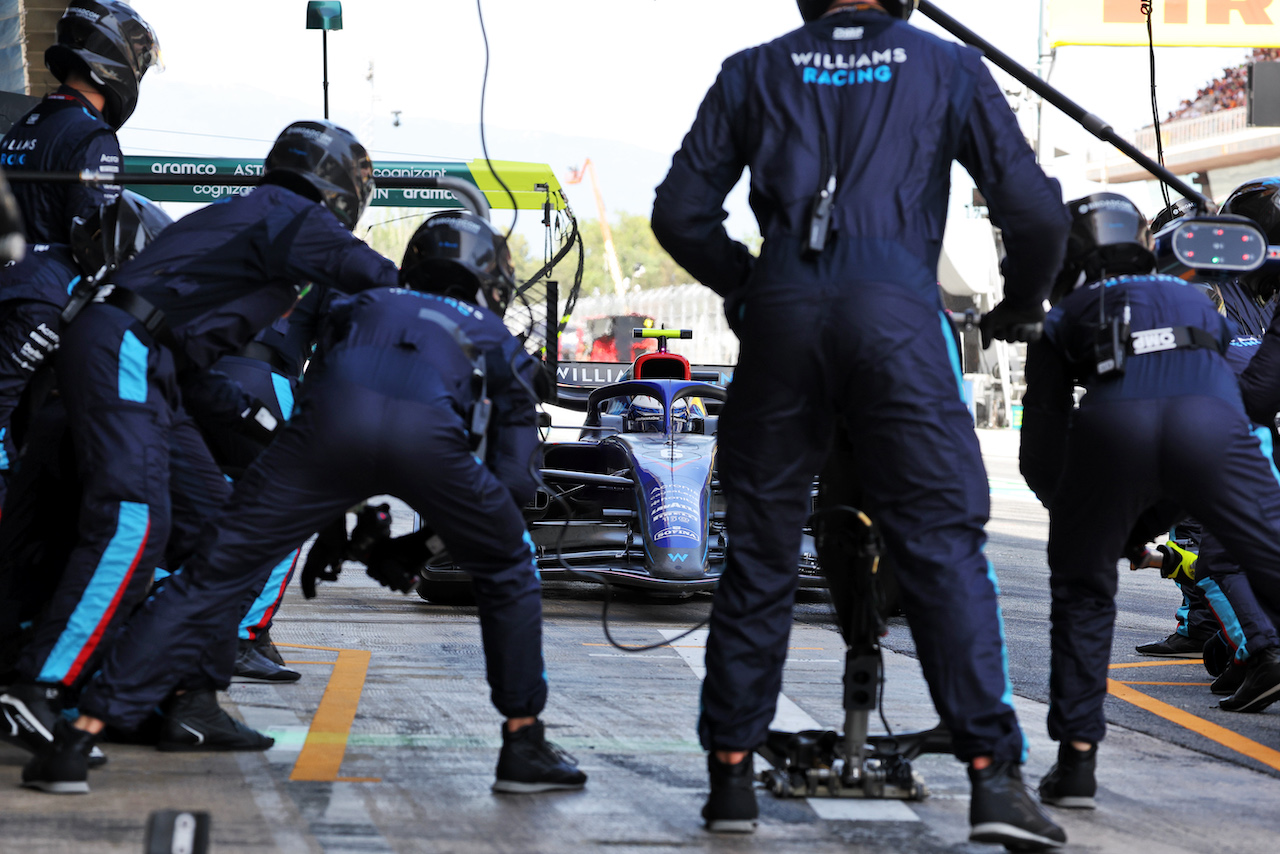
x: 321, y: 648
x: 1157, y: 663
x: 321, y: 756
x: 1192, y: 684
x: 1227, y: 738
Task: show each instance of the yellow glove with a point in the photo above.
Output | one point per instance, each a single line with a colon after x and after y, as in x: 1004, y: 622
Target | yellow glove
x: 1177, y: 563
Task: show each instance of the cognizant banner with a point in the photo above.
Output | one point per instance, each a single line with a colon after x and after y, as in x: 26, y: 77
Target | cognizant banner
x: 530, y: 183
x: 1175, y: 23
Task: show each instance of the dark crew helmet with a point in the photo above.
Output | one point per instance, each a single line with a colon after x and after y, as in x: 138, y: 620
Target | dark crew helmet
x: 1258, y: 200
x: 812, y: 10
x: 111, y: 46
x: 463, y: 256
x: 1181, y: 209
x: 326, y: 162
x: 1109, y: 237
x: 117, y: 232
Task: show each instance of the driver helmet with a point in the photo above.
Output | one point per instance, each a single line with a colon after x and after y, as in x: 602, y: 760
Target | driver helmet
x: 326, y: 162
x: 644, y: 415
x: 1258, y: 200
x: 460, y: 255
x: 115, y: 233
x: 111, y: 46
x: 1109, y: 237
x: 812, y: 10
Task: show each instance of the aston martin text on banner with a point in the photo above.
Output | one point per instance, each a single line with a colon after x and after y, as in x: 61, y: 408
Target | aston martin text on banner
x: 1176, y: 23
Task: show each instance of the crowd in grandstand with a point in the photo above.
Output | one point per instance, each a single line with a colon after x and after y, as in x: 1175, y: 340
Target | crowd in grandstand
x: 1226, y: 92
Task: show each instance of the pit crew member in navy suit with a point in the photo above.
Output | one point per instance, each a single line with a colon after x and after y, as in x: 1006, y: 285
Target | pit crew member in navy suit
x: 269, y: 368
x: 421, y: 392
x: 102, y: 51
x: 849, y: 126
x: 42, y: 506
x: 33, y: 293
x: 1204, y: 572
x: 1160, y: 431
x: 201, y: 290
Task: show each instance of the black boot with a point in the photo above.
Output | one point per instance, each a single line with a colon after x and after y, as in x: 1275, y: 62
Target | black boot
x: 29, y: 711
x: 529, y: 763
x: 731, y: 806
x: 62, y: 765
x: 1070, y: 783
x: 264, y: 645
x: 1261, y: 685
x: 1002, y: 812
x: 1228, y: 681
x: 1174, y: 646
x: 253, y: 666
x: 194, y: 721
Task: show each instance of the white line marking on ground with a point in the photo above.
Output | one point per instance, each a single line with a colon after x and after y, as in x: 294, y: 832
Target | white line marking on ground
x: 788, y: 716
x: 850, y: 809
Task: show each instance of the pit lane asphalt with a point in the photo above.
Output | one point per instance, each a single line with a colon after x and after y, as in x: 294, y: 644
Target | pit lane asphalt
x: 399, y: 756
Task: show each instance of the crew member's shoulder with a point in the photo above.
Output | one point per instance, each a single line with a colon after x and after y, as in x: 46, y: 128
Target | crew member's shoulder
x: 69, y: 114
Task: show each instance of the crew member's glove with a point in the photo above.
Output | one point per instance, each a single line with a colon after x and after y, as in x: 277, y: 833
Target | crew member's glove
x: 1177, y: 563
x: 373, y: 525
x: 324, y: 561
x: 258, y: 423
x: 399, y: 563
x: 1007, y: 322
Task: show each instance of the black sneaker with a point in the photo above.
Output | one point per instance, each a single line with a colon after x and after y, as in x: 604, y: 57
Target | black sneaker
x: 529, y: 763
x: 1070, y: 783
x: 62, y: 765
x: 1260, y: 686
x: 195, y: 722
x: 1229, y: 681
x: 29, y: 711
x: 1001, y: 811
x: 268, y: 649
x: 253, y: 666
x: 731, y: 806
x: 1174, y: 646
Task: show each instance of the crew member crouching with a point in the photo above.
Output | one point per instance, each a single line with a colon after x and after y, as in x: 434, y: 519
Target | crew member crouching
x: 1161, y: 431
x: 418, y: 392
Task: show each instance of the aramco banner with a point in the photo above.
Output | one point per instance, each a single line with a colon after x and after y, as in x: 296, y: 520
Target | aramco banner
x: 530, y: 184
x: 1175, y: 23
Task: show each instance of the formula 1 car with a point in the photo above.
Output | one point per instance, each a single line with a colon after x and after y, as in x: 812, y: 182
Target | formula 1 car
x: 636, y: 499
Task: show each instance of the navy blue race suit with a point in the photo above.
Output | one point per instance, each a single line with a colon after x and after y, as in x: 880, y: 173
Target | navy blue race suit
x: 33, y: 293
x: 856, y: 332
x: 1167, y: 436
x: 1222, y: 600
x: 219, y: 276
x: 269, y: 369
x: 1206, y: 608
x: 387, y: 410
x: 64, y: 133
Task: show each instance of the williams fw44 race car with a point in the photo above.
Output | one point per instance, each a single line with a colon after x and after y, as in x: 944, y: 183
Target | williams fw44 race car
x: 636, y: 499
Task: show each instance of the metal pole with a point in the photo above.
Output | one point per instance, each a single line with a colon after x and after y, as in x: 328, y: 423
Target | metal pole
x: 1040, y: 71
x: 324, y: 42
x: 1077, y: 113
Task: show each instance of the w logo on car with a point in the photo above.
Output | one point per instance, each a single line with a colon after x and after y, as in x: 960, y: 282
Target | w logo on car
x: 681, y: 558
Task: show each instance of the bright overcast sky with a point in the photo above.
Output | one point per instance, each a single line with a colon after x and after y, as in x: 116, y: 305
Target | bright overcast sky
x: 564, y: 75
